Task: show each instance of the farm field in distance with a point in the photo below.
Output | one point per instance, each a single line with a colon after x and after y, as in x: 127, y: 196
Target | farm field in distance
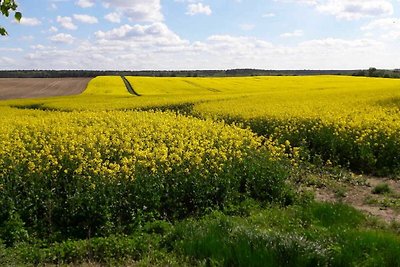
x: 241, y: 171
x: 11, y: 88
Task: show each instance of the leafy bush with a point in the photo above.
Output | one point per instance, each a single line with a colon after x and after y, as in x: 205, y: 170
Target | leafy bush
x: 381, y: 188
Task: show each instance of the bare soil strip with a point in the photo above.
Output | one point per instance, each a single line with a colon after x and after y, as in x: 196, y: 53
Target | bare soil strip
x: 12, y: 88
x: 385, y: 206
x: 129, y: 86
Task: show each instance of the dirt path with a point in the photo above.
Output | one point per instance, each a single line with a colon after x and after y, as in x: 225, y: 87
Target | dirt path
x: 129, y: 86
x: 12, y: 88
x: 384, y: 205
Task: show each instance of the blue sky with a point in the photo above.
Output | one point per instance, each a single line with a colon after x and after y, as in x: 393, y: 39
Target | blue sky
x: 203, y: 34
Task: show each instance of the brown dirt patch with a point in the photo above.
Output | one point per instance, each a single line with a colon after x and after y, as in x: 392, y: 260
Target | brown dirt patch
x: 12, y: 88
x: 362, y: 198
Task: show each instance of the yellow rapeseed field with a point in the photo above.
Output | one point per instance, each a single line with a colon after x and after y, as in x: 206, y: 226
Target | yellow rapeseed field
x: 349, y: 120
x: 96, y: 163
x: 110, y: 85
x: 115, y: 144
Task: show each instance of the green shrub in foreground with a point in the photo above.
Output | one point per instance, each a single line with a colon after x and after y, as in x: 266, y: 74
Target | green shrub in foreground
x: 381, y: 188
x: 314, y: 234
x: 71, y: 206
x: 318, y: 234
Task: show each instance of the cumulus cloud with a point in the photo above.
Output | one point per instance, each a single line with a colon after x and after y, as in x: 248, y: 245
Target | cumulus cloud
x: 147, y: 43
x: 113, y: 17
x: 383, y: 24
x: 269, y: 15
x: 350, y: 10
x: 154, y: 46
x: 7, y: 60
x: 85, y: 18
x: 356, y: 9
x: 53, y: 29
x: 387, y: 28
x: 62, y: 38
x: 85, y: 3
x: 247, y: 27
x: 152, y: 34
x: 66, y: 22
x: 30, y: 21
x: 10, y: 49
x: 199, y: 8
x: 137, y: 10
x: 26, y: 38
x: 340, y: 44
x: 296, y: 33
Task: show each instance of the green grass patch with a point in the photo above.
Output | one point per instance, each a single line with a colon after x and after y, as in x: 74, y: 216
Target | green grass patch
x: 382, y: 188
x: 310, y: 234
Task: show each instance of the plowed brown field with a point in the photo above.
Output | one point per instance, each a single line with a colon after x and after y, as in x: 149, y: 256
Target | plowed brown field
x: 11, y: 88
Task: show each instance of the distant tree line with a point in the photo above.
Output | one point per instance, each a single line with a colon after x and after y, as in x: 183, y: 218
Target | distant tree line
x: 372, y: 72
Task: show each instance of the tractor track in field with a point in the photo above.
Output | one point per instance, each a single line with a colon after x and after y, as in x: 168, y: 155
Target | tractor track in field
x: 129, y: 86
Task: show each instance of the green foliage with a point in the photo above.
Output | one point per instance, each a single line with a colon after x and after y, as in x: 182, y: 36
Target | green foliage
x: 321, y: 234
x: 111, y: 250
x: 337, y: 215
x: 366, y: 248
x: 322, y: 142
x: 222, y: 242
x: 312, y: 234
x: 12, y: 230
x: 264, y: 180
x: 382, y: 188
x: 72, y: 206
x: 5, y: 7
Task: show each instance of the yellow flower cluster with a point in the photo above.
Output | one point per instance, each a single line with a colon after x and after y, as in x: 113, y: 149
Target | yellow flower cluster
x: 116, y: 143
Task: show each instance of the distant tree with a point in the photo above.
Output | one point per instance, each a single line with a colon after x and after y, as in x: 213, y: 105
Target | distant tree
x: 372, y: 72
x: 5, y: 7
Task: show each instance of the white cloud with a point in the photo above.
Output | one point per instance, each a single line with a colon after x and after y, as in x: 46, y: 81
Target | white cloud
x: 155, y: 34
x: 296, y: 33
x: 247, y: 27
x: 199, y: 8
x: 53, y: 29
x: 30, y: 21
x: 113, y: 17
x: 387, y: 28
x: 356, y: 9
x: 62, y: 38
x: 349, y: 9
x: 150, y: 44
x: 85, y: 3
x: 156, y: 47
x: 268, y: 15
x: 66, y: 22
x: 340, y: 44
x: 27, y: 38
x: 38, y: 47
x: 10, y: 49
x: 7, y: 60
x: 85, y: 18
x: 137, y: 10
x: 382, y: 24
